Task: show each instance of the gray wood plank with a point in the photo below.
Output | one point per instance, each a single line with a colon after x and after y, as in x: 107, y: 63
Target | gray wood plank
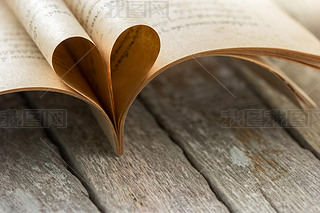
x: 250, y: 169
x: 309, y: 80
x: 33, y: 177
x: 152, y: 176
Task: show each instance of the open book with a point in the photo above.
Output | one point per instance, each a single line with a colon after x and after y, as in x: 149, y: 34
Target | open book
x: 104, y: 52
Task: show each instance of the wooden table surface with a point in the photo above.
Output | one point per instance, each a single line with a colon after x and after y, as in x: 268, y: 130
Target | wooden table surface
x: 178, y: 158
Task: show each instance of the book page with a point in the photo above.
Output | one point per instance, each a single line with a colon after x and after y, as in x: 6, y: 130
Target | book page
x: 230, y: 26
x: 306, y: 12
x: 67, y: 48
x: 24, y: 68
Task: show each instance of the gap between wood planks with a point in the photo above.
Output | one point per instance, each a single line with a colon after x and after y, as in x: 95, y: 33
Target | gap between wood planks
x: 60, y: 151
x: 214, y: 191
x: 33, y: 176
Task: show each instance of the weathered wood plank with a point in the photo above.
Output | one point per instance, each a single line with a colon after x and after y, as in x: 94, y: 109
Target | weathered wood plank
x: 152, y: 176
x: 251, y: 169
x: 309, y: 80
x: 33, y: 177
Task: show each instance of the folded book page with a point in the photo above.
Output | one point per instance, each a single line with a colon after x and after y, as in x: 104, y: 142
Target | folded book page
x: 67, y: 48
x: 24, y: 67
x: 128, y: 46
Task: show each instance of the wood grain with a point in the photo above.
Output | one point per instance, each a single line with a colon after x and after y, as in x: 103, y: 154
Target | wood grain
x: 250, y: 169
x: 152, y: 176
x: 33, y: 177
x: 308, y: 79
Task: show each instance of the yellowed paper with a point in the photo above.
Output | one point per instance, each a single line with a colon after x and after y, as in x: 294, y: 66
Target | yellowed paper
x: 306, y: 12
x: 24, y: 68
x: 67, y: 48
